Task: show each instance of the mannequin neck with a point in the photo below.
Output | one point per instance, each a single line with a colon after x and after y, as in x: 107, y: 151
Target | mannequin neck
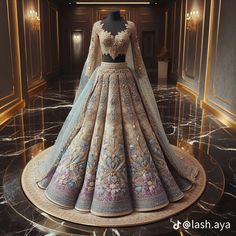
x: 114, y: 16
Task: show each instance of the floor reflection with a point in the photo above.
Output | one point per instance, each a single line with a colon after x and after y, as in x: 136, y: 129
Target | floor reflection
x: 187, y: 126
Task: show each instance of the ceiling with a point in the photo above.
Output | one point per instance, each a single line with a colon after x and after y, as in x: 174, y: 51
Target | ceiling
x: 72, y: 2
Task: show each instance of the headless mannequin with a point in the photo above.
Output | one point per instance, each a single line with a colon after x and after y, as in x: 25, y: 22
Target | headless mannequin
x: 114, y: 23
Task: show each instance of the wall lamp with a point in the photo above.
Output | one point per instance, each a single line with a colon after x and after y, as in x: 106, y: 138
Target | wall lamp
x: 34, y: 20
x: 192, y: 19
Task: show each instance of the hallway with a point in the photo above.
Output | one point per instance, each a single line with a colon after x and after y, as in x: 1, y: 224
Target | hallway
x: 186, y: 50
x: 186, y: 125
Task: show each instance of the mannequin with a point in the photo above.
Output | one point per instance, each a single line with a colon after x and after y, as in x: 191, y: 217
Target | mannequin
x: 112, y: 156
x: 114, y: 23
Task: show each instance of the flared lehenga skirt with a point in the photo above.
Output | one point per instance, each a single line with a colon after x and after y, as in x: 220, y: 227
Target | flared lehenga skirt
x: 114, y: 164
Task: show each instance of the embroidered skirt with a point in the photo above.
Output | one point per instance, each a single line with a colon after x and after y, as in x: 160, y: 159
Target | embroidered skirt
x: 114, y: 164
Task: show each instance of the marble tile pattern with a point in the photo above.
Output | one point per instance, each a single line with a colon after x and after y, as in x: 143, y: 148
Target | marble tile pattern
x: 36, y: 127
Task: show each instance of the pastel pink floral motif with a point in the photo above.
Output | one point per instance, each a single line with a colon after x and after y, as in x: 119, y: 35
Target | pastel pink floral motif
x: 113, y: 189
x: 151, y: 185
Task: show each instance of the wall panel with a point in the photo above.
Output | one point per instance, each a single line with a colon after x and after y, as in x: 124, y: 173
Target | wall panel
x: 77, y: 19
x: 54, y: 38
x: 10, y: 75
x: 192, y: 44
x: 50, y: 39
x: 208, y: 70
x: 32, y: 46
x: 29, y: 51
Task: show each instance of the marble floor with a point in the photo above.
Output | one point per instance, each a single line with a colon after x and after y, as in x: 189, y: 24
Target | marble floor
x: 189, y: 127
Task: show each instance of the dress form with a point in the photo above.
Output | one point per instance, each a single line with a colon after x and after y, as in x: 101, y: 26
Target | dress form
x: 114, y: 23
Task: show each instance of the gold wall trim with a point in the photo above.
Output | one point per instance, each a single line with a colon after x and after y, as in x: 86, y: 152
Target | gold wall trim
x: 28, y: 47
x: 202, y: 42
x: 197, y: 45
x: 7, y: 114
x: 125, y: 13
x: 113, y: 3
x: 13, y: 93
x: 195, y: 57
x: 58, y: 42
x: 35, y: 89
x: 180, y: 35
x: 183, y: 88
x: 14, y: 43
x: 209, y: 49
x: 8, y: 104
x: 16, y: 95
x: 209, y: 101
x: 223, y: 118
x: 17, y: 41
x: 184, y: 49
x: 184, y: 43
x: 173, y: 40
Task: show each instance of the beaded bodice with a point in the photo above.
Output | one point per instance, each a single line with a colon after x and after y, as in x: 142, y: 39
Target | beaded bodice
x: 114, y: 45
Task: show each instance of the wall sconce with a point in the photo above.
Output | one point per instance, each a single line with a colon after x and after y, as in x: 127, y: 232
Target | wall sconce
x: 77, y: 37
x: 192, y: 19
x: 77, y: 44
x: 34, y: 20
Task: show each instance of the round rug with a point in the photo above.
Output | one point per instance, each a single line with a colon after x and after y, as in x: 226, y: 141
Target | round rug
x: 36, y: 195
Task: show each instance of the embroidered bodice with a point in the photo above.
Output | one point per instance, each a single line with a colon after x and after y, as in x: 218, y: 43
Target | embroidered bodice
x: 114, y: 45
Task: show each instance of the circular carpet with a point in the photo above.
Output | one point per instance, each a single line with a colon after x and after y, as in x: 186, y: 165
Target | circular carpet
x: 36, y: 195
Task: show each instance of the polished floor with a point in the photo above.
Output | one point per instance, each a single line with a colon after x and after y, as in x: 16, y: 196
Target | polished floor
x: 187, y: 126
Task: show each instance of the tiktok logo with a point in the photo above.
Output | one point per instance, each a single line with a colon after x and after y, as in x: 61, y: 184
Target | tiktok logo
x: 176, y: 225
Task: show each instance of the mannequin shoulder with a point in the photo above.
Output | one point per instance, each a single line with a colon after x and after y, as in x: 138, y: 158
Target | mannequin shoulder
x: 131, y: 24
x: 97, y: 25
x: 97, y: 22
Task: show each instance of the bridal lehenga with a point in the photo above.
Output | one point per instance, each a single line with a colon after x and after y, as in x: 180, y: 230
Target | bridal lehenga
x: 112, y: 156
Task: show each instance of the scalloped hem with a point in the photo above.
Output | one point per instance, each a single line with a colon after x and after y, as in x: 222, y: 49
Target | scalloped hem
x: 40, y: 186
x: 107, y: 214
x: 83, y: 211
x: 58, y: 204
x: 152, y: 209
x: 177, y: 198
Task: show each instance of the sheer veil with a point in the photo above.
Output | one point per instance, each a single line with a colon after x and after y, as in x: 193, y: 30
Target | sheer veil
x: 73, y: 122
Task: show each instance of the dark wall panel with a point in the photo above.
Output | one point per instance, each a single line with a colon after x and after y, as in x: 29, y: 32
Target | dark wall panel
x: 6, y: 67
x: 191, y: 46
x: 32, y: 45
x: 79, y: 20
x: 47, y: 65
x: 147, y: 20
x: 10, y: 80
x: 50, y: 39
x: 173, y: 33
x: 54, y: 38
x: 29, y: 50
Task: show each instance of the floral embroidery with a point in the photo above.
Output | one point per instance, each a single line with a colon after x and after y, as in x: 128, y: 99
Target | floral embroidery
x: 112, y: 162
x: 114, y: 45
